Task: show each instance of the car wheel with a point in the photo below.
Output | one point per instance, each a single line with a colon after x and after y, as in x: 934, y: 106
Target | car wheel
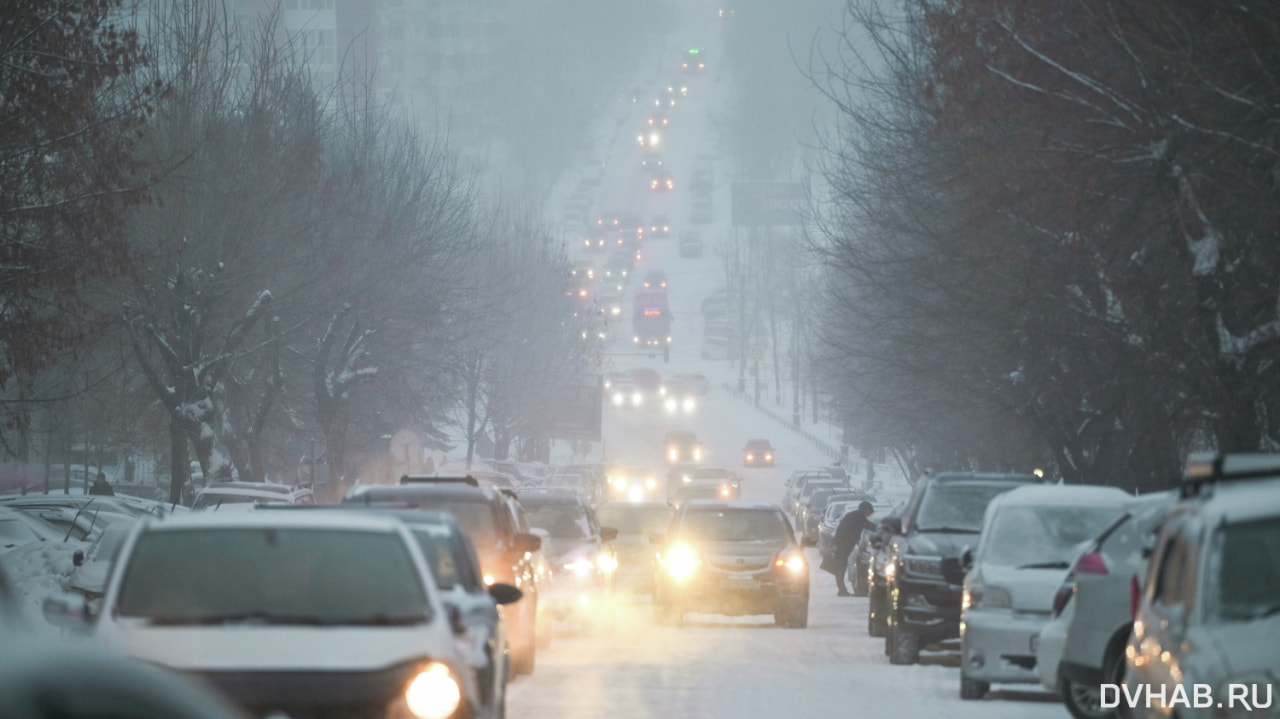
x: 1083, y: 701
x: 875, y: 617
x: 904, y: 646
x: 800, y: 615
x: 972, y: 688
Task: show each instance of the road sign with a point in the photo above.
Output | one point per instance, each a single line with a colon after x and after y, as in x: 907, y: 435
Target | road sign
x: 769, y: 204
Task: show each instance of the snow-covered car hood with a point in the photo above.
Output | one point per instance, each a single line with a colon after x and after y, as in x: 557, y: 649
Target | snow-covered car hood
x: 1031, y: 590
x: 90, y: 578
x: 1245, y: 649
x: 938, y: 544
x: 254, y: 647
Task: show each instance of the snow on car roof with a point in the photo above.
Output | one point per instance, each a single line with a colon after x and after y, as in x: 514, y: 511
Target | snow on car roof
x: 274, y: 518
x: 1071, y: 495
x: 1242, y: 501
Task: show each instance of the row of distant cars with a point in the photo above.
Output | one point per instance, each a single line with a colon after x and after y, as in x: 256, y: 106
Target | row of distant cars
x: 1090, y: 591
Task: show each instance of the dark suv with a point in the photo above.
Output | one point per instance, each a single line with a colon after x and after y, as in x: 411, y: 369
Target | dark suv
x: 506, y: 553
x: 922, y: 571
x: 731, y: 557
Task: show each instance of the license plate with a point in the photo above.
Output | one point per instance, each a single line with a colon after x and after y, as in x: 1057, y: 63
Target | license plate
x: 739, y: 584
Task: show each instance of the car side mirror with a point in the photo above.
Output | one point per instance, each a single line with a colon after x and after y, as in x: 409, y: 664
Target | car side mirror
x: 657, y: 538
x: 78, y: 558
x: 525, y: 543
x: 456, y: 622
x: 608, y: 534
x: 505, y: 593
x: 966, y: 559
x: 69, y: 611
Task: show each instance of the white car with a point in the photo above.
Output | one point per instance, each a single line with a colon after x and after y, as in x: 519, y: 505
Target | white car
x: 1206, y: 638
x: 1030, y: 537
x: 293, y: 613
x: 243, y: 495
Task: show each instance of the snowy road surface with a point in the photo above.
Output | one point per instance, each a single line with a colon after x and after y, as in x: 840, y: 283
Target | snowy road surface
x: 745, y: 667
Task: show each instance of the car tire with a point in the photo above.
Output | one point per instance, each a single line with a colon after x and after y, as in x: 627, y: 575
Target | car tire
x: 799, y: 616
x: 972, y: 688
x: 904, y: 646
x: 876, y: 625
x: 1083, y: 701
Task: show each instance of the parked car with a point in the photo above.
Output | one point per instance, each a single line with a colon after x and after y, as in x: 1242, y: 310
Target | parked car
x: 809, y: 521
x: 506, y: 552
x: 873, y: 553
x: 18, y: 529
x: 246, y: 494
x: 581, y: 557
x: 1103, y: 588
x: 1209, y: 613
x: 757, y: 453
x: 922, y: 571
x: 1050, y: 642
x: 1029, y: 540
x: 344, y: 605
x: 803, y: 491
x: 93, y: 567
x: 735, y: 558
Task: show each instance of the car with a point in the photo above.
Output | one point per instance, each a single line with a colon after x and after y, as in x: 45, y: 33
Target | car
x: 694, y: 60
x: 798, y: 493
x: 650, y: 160
x: 649, y: 139
x: 757, y: 453
x: 680, y: 398
x: 18, y: 529
x: 804, y: 514
x: 661, y: 181
x: 654, y: 280
x: 702, y: 483
x: 715, y: 347
x: 1028, y: 542
x: 590, y: 479
x: 581, y: 556
x: 632, y: 227
x: 1050, y: 642
x: 582, y: 272
x: 346, y: 609
x: 617, y: 271
x: 506, y: 553
x: 681, y: 446
x: 92, y: 567
x: 702, y: 180
x: 633, y: 484
x: 665, y: 99
x: 922, y: 568
x: 660, y: 226
x: 678, y: 87
x: 831, y: 516
x: 809, y: 521
x: 874, y: 546
x: 84, y: 523
x: 596, y: 239
x: 649, y: 382
x: 1103, y: 585
x: 244, y: 495
x: 704, y: 489
x: 658, y: 120
x: 690, y: 244
x: 635, y: 523
x: 610, y: 302
x: 609, y: 220
x: 625, y: 394
x: 1209, y: 612
x: 730, y: 557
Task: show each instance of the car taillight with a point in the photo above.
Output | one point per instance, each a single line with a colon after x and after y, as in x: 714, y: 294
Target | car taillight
x: 1092, y: 563
x: 1135, y: 596
x: 1065, y: 592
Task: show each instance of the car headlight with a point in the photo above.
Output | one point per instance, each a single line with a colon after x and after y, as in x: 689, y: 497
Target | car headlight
x: 635, y: 494
x: 750, y: 457
x: 725, y: 490
x: 620, y: 482
x: 681, y: 562
x: 924, y: 566
x: 673, y: 454
x: 433, y: 693
x: 768, y: 458
x: 637, y: 399
x: 697, y: 453
x: 791, y: 561
x: 579, y: 567
x: 619, y: 399
x: 670, y: 404
x: 651, y: 483
x: 606, y: 562
x: 688, y: 405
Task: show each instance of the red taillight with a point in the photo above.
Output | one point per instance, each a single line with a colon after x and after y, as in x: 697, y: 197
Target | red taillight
x: 1092, y: 563
x: 1065, y: 592
x: 1135, y: 596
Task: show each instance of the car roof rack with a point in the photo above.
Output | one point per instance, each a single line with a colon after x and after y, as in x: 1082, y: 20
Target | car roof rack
x: 437, y: 479
x: 1207, y: 469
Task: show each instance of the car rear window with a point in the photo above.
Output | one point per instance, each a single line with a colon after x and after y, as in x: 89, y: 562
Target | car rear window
x: 1043, y: 536
x: 719, y: 524
x: 1244, y: 571
x: 269, y: 575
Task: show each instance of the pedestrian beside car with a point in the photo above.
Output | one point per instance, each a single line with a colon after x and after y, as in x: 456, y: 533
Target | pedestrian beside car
x: 101, y: 487
x: 848, y: 532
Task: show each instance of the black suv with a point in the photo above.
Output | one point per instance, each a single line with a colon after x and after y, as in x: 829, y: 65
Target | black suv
x: 732, y: 557
x: 922, y: 571
x: 505, y: 552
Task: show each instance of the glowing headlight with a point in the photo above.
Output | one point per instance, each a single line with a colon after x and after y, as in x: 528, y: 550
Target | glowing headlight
x: 673, y: 454
x: 620, y: 482
x: 890, y: 569
x: 795, y: 563
x: 751, y: 457
x: 488, y: 580
x: 768, y: 458
x: 635, y: 494
x: 433, y: 693
x: 651, y: 483
x: 688, y: 404
x: 681, y: 562
x: 697, y: 453
x: 606, y: 562
x: 725, y: 490
x: 618, y: 399
x: 637, y: 399
x: 580, y: 567
x: 615, y: 310
x: 670, y: 404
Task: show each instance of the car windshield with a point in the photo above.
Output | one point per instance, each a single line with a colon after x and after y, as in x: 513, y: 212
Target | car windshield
x: 837, y: 510
x: 1042, y: 537
x: 1244, y: 571
x: 272, y: 576
x: 563, y: 520
x: 635, y: 519
x: 956, y: 507
x: 734, y: 525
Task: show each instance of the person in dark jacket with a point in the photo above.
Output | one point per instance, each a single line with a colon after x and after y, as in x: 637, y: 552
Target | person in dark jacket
x: 101, y: 487
x: 848, y: 532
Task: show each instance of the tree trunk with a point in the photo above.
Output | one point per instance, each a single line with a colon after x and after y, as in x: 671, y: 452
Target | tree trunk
x: 179, y: 464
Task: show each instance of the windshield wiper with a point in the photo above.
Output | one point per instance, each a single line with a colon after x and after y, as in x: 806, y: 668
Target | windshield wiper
x: 242, y: 618
x: 950, y: 530
x: 1047, y: 565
